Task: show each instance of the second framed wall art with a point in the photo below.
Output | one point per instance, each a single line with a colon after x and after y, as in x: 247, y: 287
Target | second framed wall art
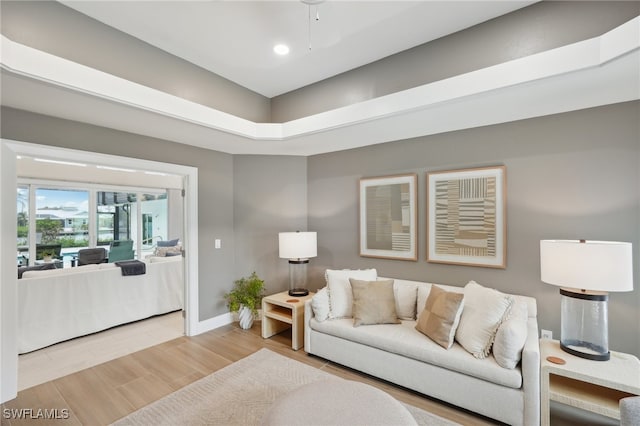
x: 466, y: 217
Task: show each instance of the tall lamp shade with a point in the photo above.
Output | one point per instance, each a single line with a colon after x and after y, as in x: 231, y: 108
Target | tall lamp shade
x: 586, y: 271
x: 298, y: 247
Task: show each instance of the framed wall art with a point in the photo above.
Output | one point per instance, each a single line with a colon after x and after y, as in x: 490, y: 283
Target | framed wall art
x: 388, y: 217
x: 466, y: 217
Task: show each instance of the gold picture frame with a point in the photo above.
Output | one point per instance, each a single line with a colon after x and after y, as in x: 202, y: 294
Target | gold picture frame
x: 466, y: 217
x: 389, y: 217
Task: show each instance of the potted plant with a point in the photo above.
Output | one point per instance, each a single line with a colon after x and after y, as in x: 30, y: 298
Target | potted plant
x: 47, y: 255
x: 245, y: 298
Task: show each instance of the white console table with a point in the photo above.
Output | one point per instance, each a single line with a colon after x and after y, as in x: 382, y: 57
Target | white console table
x: 595, y: 386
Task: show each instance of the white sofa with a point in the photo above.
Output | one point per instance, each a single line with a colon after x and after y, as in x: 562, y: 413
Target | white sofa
x: 400, y: 354
x: 60, y: 304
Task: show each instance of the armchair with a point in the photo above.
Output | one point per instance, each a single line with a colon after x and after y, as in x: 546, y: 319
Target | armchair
x: 121, y: 250
x: 91, y: 255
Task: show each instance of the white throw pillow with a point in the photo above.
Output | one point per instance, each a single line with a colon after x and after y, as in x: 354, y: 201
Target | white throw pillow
x: 484, y: 310
x: 406, y: 295
x: 423, y: 293
x: 511, y: 337
x: 320, y: 304
x: 340, y: 293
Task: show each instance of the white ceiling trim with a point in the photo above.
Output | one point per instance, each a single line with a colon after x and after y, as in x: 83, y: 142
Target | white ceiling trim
x: 589, y: 57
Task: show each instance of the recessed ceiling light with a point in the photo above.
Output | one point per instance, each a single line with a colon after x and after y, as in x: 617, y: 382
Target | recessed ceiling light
x: 281, y: 49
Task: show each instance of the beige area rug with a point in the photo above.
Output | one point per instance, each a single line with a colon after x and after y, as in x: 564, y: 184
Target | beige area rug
x: 240, y: 394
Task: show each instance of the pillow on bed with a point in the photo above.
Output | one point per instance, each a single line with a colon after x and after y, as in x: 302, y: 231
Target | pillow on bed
x: 168, y: 243
x: 168, y: 251
x: 340, y: 293
x: 373, y: 302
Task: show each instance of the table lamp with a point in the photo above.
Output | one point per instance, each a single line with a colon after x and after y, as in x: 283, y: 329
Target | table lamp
x: 298, y: 247
x: 586, y: 271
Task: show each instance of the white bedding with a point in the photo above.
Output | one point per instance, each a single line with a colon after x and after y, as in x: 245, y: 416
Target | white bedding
x: 62, y: 304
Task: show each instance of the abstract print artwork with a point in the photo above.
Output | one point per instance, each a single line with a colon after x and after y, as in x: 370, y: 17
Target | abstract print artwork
x: 388, y: 217
x: 466, y: 217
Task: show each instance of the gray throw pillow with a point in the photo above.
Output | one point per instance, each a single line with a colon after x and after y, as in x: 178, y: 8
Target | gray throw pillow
x: 168, y: 243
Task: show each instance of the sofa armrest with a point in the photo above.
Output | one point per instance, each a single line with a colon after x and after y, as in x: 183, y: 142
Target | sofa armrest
x: 308, y: 315
x: 531, y: 374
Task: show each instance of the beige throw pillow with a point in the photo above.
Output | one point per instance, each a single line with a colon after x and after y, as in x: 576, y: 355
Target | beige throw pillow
x: 373, y: 302
x: 484, y: 311
x: 440, y: 317
x: 340, y: 294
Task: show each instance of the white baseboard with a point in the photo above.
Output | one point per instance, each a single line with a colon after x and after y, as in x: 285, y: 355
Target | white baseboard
x: 219, y: 321
x: 212, y: 323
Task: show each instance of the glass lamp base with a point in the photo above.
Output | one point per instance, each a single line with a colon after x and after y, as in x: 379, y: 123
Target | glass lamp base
x: 584, y: 324
x: 585, y: 350
x: 298, y: 277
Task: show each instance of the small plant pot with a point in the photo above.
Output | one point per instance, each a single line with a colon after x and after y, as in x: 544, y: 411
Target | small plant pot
x: 245, y: 316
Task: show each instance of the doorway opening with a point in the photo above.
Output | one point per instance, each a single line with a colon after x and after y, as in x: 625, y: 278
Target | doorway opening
x: 11, y: 151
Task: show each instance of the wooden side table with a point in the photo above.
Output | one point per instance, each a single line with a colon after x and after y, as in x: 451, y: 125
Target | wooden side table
x: 280, y: 312
x: 595, y: 386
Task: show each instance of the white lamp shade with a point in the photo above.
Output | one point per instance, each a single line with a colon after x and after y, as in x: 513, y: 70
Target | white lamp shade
x: 298, y: 245
x: 587, y: 265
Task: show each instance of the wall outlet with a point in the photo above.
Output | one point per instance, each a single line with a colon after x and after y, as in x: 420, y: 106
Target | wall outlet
x: 217, y: 243
x: 547, y: 334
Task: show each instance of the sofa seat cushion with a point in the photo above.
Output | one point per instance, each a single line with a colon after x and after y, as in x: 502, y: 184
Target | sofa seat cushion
x: 403, y: 339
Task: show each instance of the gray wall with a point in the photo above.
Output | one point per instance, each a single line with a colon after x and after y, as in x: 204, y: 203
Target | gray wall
x: 52, y: 27
x: 270, y: 197
x: 530, y: 30
x: 243, y: 200
x: 573, y: 175
x: 215, y: 186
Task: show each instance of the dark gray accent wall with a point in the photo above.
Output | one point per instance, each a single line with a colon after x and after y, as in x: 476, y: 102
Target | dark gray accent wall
x: 270, y: 197
x: 215, y: 186
x: 569, y: 176
x: 57, y: 29
x: 539, y: 27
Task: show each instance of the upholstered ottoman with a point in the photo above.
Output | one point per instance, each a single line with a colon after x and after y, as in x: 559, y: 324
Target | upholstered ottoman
x: 337, y: 402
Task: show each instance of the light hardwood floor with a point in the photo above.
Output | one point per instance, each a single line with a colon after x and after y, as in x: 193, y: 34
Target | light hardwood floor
x: 100, y: 392
x: 74, y: 355
x: 108, y: 391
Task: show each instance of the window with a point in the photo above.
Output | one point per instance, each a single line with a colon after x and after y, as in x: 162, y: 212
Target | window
x: 114, y: 216
x: 154, y: 218
x: 62, y: 217
x: 23, y: 225
x: 69, y: 219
